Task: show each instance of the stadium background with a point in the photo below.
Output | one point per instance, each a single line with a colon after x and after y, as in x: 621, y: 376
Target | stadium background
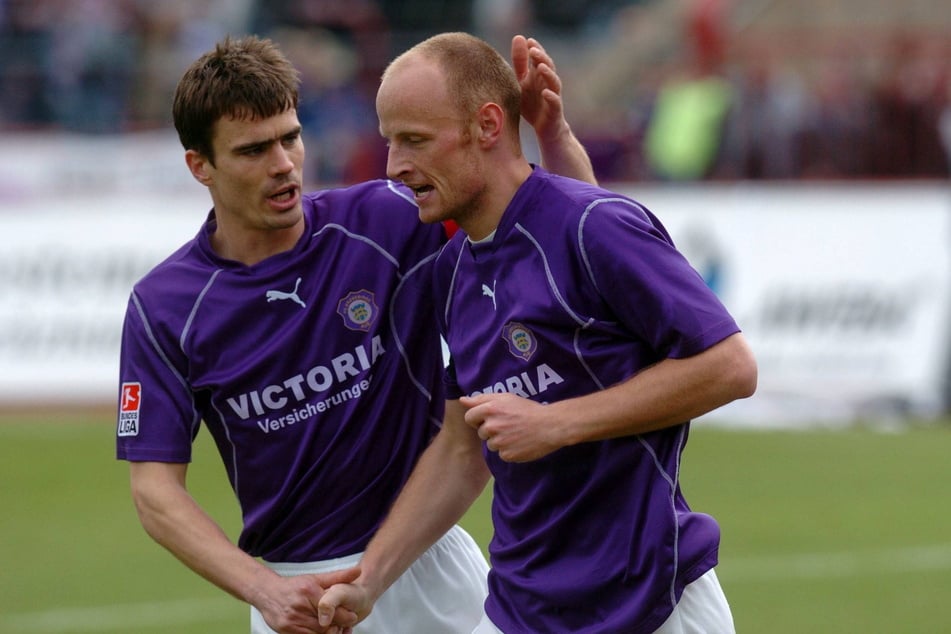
x: 798, y: 150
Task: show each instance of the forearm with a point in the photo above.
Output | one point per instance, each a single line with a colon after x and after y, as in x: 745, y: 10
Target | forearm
x: 563, y: 154
x: 543, y: 109
x: 174, y: 519
x: 448, y: 478
x: 668, y: 393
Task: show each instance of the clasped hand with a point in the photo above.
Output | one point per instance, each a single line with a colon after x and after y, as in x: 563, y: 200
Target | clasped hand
x: 517, y: 429
x: 290, y: 605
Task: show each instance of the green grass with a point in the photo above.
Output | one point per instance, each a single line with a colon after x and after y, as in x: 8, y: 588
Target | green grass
x: 844, y: 531
x: 823, y: 531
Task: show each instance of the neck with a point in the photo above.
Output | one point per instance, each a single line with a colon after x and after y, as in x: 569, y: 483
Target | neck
x: 505, y: 182
x: 252, y: 246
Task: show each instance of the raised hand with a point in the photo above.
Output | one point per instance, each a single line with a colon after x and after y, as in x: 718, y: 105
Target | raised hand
x: 541, y: 102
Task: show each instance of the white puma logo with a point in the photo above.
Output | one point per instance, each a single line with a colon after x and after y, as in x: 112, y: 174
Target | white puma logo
x: 490, y: 292
x: 293, y: 296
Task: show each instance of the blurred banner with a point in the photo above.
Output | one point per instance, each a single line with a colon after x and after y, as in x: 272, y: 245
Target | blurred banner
x: 843, y: 290
x: 81, y: 219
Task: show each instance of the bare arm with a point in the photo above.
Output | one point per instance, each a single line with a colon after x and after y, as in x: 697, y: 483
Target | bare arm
x: 542, y: 107
x: 174, y: 519
x: 668, y: 393
x: 448, y: 478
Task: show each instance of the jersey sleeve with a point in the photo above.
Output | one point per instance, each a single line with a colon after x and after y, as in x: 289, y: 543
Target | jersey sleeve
x: 648, y: 284
x: 157, y: 419
x: 451, y: 384
x: 440, y: 279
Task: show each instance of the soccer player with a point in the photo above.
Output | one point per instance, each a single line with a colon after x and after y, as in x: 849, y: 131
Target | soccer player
x: 582, y: 344
x: 295, y: 326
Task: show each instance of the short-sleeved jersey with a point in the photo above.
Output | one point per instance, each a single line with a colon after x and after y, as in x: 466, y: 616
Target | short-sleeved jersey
x: 317, y: 371
x: 579, y: 290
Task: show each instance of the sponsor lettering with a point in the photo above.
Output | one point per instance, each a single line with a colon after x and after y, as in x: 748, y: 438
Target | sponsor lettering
x: 268, y: 425
x: 525, y: 384
x: 302, y: 387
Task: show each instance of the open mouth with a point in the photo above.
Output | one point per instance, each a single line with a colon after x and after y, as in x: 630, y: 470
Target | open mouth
x: 285, y: 194
x: 421, y: 191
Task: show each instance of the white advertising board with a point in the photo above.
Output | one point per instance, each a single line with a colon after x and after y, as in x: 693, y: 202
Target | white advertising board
x: 844, y: 291
x: 66, y: 269
x: 81, y: 218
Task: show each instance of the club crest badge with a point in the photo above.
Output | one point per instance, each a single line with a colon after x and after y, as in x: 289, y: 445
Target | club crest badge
x: 520, y: 339
x: 359, y: 310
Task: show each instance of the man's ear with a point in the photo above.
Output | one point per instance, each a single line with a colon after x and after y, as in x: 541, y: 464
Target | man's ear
x: 491, y: 120
x: 199, y: 165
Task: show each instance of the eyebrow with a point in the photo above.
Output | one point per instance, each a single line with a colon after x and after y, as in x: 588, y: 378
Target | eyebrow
x: 295, y: 131
x: 420, y: 129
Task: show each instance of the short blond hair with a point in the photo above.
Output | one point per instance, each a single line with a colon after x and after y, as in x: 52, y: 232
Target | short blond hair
x: 475, y: 74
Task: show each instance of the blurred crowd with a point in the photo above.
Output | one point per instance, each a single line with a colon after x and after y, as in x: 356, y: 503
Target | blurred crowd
x: 656, y: 89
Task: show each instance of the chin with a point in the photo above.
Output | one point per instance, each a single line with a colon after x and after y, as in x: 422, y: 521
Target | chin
x: 289, y: 218
x: 431, y: 217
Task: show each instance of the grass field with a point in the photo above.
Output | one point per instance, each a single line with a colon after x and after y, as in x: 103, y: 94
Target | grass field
x: 823, y: 531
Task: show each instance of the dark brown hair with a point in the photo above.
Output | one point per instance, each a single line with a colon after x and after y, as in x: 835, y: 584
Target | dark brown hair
x: 241, y: 78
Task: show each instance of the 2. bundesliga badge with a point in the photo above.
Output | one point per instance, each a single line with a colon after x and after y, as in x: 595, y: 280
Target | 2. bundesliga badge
x: 130, y: 401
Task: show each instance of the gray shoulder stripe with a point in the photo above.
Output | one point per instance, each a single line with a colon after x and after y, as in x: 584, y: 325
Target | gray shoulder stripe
x: 550, y: 278
x: 579, y: 355
x: 672, y: 482
x: 584, y: 218
x: 361, y: 238
x: 196, y: 417
x: 234, y: 451
x: 452, y: 286
x: 582, y: 323
x: 391, y: 185
x: 155, y: 344
x: 191, y: 315
x: 399, y: 343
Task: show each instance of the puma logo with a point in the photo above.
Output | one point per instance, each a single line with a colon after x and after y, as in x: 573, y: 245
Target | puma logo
x: 293, y: 296
x: 490, y: 292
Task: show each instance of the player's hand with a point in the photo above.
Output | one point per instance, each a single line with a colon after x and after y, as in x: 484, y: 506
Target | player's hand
x: 351, y: 600
x: 289, y: 604
x: 516, y: 428
x: 541, y: 88
x: 343, y: 619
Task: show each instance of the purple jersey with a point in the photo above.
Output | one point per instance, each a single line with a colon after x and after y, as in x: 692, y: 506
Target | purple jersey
x: 580, y: 289
x: 312, y: 370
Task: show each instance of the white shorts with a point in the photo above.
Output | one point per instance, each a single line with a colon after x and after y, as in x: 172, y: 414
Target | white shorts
x: 443, y: 592
x: 703, y: 609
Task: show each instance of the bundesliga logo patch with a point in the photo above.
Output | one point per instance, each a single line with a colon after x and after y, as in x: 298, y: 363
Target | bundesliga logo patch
x: 520, y: 340
x: 358, y: 309
x: 129, y: 403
